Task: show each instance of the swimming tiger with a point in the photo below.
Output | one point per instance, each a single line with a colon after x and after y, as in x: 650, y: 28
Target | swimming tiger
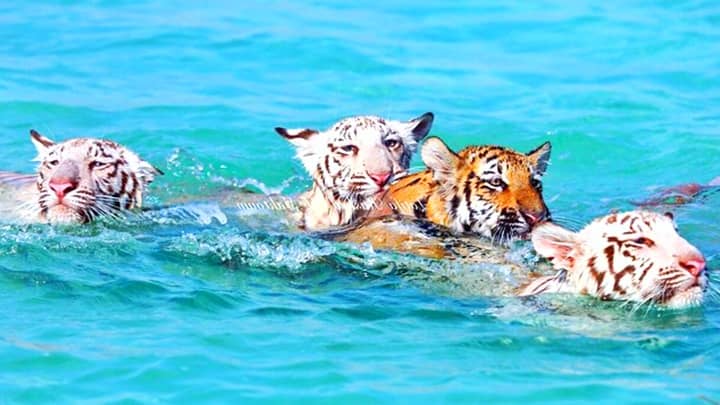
x: 680, y: 194
x: 352, y: 164
x: 490, y: 191
x: 79, y: 180
x: 633, y: 256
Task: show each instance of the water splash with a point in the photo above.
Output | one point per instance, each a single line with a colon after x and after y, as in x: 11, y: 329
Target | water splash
x: 200, y: 213
x: 257, y: 249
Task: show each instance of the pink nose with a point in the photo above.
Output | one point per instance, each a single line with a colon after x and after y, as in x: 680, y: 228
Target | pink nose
x: 380, y: 178
x: 693, y: 266
x: 533, y: 218
x: 62, y: 186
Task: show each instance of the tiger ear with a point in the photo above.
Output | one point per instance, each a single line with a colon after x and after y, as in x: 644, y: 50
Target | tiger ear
x: 42, y: 144
x: 440, y: 159
x: 298, y: 137
x: 147, y: 172
x: 556, y: 244
x: 540, y: 157
x: 420, y: 126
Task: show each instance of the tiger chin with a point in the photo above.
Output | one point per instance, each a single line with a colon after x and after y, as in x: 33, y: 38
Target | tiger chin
x: 82, y: 179
x: 488, y: 191
x: 635, y: 256
x: 352, y: 165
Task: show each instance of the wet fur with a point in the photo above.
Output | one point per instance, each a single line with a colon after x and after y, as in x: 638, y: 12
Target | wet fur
x: 110, y: 179
x: 634, y: 257
x: 341, y: 159
x: 456, y: 190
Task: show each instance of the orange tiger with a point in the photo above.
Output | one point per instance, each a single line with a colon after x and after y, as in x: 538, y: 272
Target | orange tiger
x: 490, y: 191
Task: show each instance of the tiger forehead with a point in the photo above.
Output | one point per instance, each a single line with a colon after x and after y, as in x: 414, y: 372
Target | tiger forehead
x: 351, y: 127
x: 90, y: 147
x: 481, y: 155
x: 623, y: 224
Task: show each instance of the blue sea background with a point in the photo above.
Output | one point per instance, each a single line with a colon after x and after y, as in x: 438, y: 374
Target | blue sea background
x: 188, y: 311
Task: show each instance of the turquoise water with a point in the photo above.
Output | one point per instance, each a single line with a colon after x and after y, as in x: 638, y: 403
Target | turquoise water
x: 188, y: 309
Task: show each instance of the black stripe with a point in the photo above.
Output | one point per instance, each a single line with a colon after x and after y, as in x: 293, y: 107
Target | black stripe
x: 420, y: 208
x: 610, y: 254
x: 454, y: 204
x: 414, y: 182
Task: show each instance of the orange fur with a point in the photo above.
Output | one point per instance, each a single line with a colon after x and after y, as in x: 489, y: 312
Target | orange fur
x: 457, y: 193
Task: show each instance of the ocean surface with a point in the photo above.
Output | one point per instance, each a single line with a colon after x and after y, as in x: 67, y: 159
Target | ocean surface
x: 214, y: 306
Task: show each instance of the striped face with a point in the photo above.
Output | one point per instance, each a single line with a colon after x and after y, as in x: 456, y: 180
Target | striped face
x: 353, y: 162
x: 484, y: 190
x: 83, y: 178
x: 634, y: 256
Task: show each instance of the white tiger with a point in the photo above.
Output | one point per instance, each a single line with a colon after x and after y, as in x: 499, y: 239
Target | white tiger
x: 352, y: 164
x: 634, y: 256
x: 79, y: 180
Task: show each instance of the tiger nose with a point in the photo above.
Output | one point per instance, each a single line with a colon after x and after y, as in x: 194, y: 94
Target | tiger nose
x: 534, y: 217
x: 380, y: 178
x: 694, y: 266
x: 62, y: 185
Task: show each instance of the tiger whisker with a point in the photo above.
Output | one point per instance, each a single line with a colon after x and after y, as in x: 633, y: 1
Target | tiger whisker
x: 651, y: 305
x: 109, y: 209
x: 28, y: 205
x: 106, y: 211
x: 650, y: 296
x: 640, y: 304
x: 626, y: 303
x: 714, y: 291
x: 568, y: 222
x: 108, y: 197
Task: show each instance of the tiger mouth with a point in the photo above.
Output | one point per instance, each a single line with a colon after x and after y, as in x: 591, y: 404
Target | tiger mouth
x: 685, y: 295
x: 61, y: 214
x: 363, y: 194
x: 687, y: 298
x: 367, y: 190
x: 505, y: 233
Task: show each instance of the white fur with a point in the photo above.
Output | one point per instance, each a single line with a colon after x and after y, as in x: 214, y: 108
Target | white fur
x: 634, y: 256
x: 97, y: 192
x: 345, y: 160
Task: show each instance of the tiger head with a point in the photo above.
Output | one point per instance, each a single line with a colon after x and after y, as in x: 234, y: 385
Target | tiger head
x: 635, y: 256
x: 353, y: 162
x: 83, y: 178
x: 488, y: 190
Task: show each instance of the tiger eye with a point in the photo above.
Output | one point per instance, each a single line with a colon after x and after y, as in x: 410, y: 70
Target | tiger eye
x: 496, y: 182
x: 349, y: 149
x: 644, y: 241
x: 392, y: 143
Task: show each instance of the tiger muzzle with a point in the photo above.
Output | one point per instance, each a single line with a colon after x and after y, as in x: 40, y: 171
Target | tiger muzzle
x: 533, y: 218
